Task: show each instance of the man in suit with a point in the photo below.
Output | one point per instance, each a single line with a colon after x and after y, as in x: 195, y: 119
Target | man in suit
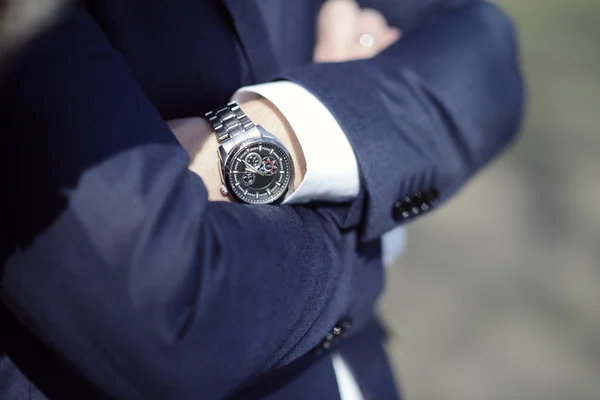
x: 143, y: 287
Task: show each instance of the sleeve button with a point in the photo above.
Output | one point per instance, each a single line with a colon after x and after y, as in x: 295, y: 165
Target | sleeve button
x: 346, y: 325
x: 414, y: 205
x: 432, y: 195
x: 400, y: 211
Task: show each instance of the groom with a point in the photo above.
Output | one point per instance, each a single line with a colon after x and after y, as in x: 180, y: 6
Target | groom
x: 143, y: 287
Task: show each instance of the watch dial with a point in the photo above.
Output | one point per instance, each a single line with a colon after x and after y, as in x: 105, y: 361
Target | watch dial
x: 259, y: 173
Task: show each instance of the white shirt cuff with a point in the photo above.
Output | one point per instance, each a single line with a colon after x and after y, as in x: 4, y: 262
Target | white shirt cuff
x: 331, y: 167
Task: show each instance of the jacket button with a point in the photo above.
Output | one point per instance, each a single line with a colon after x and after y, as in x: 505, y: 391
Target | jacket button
x: 431, y: 196
x: 346, y: 325
x: 403, y: 209
x: 414, y: 205
x: 400, y: 211
x: 333, y: 336
x: 341, y: 328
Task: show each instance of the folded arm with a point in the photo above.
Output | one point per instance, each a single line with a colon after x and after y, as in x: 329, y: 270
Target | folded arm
x: 138, y: 278
x: 428, y: 112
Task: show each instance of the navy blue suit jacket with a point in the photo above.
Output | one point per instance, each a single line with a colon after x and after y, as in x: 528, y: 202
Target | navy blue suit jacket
x: 143, y: 287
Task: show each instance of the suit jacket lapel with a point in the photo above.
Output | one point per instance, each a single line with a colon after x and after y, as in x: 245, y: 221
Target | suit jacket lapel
x: 252, y: 30
x: 275, y: 34
x: 291, y: 24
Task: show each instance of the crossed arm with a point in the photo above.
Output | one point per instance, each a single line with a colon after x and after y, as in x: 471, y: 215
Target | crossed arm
x: 339, y: 25
x: 136, y: 283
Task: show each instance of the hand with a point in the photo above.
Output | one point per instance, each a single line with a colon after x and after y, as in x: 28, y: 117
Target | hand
x: 346, y: 32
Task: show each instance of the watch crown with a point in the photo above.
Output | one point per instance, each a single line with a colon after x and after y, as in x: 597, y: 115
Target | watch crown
x: 224, y: 190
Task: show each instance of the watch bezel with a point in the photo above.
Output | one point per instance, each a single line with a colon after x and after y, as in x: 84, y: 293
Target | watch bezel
x: 231, y: 155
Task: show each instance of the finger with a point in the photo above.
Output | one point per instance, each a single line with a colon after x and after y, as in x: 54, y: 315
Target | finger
x: 372, y: 22
x: 391, y: 36
x: 368, y: 47
x: 336, y: 27
x: 337, y: 17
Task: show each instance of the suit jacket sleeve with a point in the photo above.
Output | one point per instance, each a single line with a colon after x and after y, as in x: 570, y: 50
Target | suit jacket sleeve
x: 140, y: 280
x: 430, y: 111
x: 144, y: 286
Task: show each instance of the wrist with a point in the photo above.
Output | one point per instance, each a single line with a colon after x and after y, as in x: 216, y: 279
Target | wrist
x: 197, y: 137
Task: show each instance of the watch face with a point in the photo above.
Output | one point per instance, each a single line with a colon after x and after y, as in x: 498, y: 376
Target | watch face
x: 259, y: 173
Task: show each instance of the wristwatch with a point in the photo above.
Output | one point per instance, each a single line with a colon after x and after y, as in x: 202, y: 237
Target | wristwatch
x: 256, y: 168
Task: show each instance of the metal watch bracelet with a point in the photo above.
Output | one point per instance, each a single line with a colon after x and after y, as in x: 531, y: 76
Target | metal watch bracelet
x: 230, y: 123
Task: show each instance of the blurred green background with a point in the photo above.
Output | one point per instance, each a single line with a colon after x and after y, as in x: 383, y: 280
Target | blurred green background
x: 498, y: 294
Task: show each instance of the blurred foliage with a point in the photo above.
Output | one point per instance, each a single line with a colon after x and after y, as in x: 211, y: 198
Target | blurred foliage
x: 498, y: 295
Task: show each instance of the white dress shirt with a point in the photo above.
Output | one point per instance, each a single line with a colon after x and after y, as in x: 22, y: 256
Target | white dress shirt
x: 327, y: 178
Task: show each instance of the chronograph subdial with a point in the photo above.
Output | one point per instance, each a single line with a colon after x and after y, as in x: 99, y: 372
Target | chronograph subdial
x: 254, y: 160
x: 269, y: 166
x: 249, y: 178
